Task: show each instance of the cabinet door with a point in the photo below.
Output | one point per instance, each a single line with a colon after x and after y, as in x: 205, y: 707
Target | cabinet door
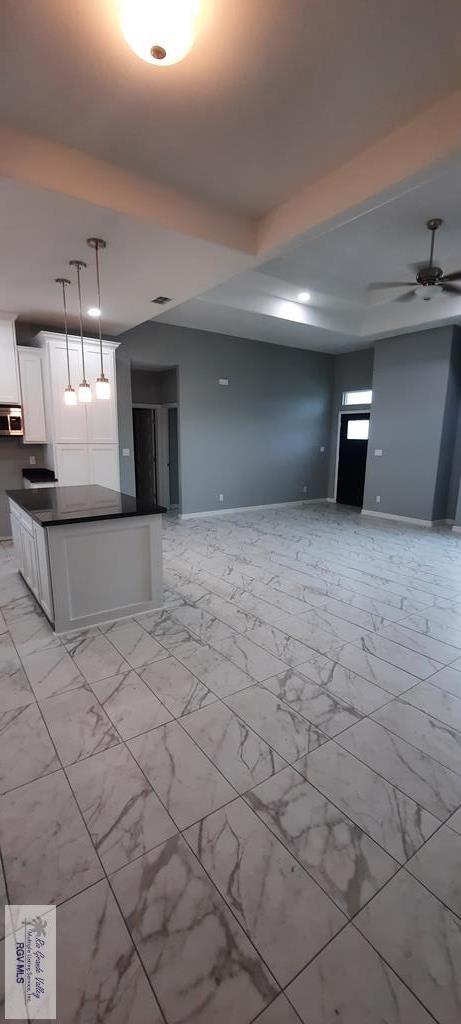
x: 16, y: 533
x: 33, y: 403
x: 69, y: 420
x: 101, y: 413
x: 72, y: 464
x: 43, y: 569
x: 30, y: 561
x: 104, y: 466
x: 9, y: 376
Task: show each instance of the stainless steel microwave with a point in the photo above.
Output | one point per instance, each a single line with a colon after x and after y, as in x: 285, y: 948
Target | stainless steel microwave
x: 11, y: 421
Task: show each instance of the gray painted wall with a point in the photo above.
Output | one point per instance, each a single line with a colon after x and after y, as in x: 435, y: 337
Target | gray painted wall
x: 153, y: 387
x: 353, y: 371
x: 408, y: 421
x: 14, y: 457
x: 257, y: 441
x: 125, y: 423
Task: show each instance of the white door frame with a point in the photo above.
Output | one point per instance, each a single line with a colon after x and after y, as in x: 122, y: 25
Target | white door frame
x: 346, y: 412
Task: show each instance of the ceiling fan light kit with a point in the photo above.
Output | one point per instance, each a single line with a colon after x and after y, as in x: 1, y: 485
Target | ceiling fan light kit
x: 431, y: 282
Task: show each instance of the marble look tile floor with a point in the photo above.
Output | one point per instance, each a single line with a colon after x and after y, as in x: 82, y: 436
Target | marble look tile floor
x: 247, y: 805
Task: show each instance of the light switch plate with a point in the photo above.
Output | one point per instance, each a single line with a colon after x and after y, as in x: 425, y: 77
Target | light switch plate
x: 224, y: 381
x: 322, y: 448
x: 32, y: 460
x: 125, y: 451
x: 378, y: 451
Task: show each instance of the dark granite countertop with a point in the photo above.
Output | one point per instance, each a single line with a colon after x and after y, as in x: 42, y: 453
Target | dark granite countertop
x: 54, y: 506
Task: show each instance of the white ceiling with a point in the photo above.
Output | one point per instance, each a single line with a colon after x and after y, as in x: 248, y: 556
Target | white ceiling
x: 296, y: 147
x: 41, y: 230
x: 337, y: 267
x: 274, y: 94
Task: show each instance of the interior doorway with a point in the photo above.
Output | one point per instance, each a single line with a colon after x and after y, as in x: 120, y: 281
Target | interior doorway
x: 352, y: 458
x: 145, y: 453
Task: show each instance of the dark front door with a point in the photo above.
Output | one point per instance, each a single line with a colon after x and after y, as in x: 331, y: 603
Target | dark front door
x: 352, y: 460
x: 144, y: 454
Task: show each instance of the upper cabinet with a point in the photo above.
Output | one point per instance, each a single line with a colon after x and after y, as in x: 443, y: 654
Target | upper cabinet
x: 101, y: 413
x: 32, y: 395
x: 9, y: 375
x: 95, y: 422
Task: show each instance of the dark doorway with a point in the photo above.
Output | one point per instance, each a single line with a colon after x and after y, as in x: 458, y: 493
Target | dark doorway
x: 145, y: 454
x: 173, y: 461
x: 352, y: 458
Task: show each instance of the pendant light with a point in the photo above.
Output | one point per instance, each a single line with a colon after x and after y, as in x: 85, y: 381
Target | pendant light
x: 84, y: 390
x: 70, y: 396
x: 102, y: 383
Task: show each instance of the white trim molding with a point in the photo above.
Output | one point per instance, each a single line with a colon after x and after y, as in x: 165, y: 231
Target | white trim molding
x: 406, y: 519
x: 251, y: 508
x: 456, y: 529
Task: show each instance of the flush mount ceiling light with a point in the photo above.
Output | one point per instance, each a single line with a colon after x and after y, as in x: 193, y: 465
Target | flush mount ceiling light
x: 304, y: 297
x: 70, y: 397
x: 159, y: 31
x: 94, y: 311
x: 102, y: 383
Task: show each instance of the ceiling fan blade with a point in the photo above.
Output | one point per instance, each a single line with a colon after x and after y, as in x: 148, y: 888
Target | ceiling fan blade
x: 406, y: 297
x: 450, y: 288
x: 377, y: 285
x: 455, y: 276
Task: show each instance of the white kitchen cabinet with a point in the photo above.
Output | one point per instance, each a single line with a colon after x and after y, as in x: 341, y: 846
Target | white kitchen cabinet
x: 32, y: 395
x: 101, y: 413
x: 9, y: 375
x: 67, y: 422
x: 104, y: 465
x: 72, y: 464
x: 43, y: 570
x: 31, y: 552
x: 82, y: 438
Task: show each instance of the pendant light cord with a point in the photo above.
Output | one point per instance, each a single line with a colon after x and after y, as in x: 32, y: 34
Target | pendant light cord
x: 81, y: 323
x: 65, y: 329
x: 98, y: 285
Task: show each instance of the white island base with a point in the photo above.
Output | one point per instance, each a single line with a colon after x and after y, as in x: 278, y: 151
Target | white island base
x: 90, y: 570
x: 105, y: 570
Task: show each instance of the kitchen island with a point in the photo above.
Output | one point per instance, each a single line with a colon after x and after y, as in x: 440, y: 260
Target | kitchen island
x: 87, y: 553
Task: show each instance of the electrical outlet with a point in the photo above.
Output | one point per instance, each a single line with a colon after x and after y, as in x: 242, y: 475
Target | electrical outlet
x: 322, y: 449
x: 32, y: 460
x: 378, y: 499
x: 125, y: 451
x: 378, y: 451
x: 224, y: 382
x: 221, y: 497
x: 305, y: 489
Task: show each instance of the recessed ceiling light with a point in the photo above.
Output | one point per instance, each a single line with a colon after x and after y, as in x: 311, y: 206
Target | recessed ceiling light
x: 94, y: 311
x: 304, y: 297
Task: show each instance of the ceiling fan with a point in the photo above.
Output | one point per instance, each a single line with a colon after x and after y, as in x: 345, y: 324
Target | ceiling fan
x: 430, y: 280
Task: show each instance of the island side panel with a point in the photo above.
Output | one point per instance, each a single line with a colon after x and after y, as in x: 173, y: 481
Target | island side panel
x: 105, y: 570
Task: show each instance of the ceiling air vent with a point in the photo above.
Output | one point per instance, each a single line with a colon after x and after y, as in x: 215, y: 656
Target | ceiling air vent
x: 161, y: 300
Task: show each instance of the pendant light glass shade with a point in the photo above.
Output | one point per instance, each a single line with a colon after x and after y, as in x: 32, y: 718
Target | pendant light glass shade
x: 102, y: 387
x: 159, y: 31
x: 84, y: 390
x: 70, y: 397
x: 102, y: 384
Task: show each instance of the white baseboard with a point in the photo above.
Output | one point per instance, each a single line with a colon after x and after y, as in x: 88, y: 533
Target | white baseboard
x: 250, y: 508
x: 406, y: 519
x: 9, y: 537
